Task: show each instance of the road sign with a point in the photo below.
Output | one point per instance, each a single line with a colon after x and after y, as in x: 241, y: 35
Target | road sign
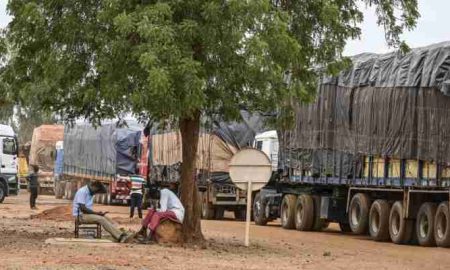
x: 250, y: 169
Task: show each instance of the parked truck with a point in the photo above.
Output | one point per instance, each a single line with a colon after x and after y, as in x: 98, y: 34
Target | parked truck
x: 107, y: 153
x: 9, y: 184
x: 216, y: 147
x: 372, y: 153
x: 43, y: 152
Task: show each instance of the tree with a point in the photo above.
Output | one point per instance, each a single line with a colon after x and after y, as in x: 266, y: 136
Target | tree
x: 176, y: 60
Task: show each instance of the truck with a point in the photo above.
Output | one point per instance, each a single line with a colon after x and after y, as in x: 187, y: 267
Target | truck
x: 107, y: 153
x: 371, y: 153
x: 216, y: 146
x: 9, y: 184
x: 43, y: 152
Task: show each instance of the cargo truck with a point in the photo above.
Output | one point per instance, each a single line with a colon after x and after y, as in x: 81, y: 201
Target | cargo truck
x: 218, y: 193
x: 9, y: 184
x: 107, y: 153
x: 217, y: 144
x: 372, y: 153
x: 43, y: 152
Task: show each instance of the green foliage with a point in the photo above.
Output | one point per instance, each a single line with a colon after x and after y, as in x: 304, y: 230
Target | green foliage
x: 171, y: 58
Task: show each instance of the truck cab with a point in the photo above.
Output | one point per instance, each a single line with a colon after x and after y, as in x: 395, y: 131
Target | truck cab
x: 268, y: 143
x: 8, y: 162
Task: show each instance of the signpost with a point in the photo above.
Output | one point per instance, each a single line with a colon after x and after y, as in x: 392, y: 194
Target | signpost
x: 250, y: 169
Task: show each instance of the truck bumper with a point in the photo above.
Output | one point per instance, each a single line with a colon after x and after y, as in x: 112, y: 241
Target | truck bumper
x: 13, y: 184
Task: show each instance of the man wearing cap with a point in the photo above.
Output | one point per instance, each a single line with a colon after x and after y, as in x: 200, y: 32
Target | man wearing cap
x: 82, y: 209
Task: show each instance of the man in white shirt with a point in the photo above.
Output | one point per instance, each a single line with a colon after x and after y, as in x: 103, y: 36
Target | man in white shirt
x: 170, y: 209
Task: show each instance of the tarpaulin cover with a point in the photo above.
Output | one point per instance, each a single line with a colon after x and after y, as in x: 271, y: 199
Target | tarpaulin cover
x: 103, y: 151
x: 216, y: 147
x: 43, y: 146
x: 387, y: 105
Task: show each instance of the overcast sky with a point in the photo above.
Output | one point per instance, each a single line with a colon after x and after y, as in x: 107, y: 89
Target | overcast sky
x: 432, y: 27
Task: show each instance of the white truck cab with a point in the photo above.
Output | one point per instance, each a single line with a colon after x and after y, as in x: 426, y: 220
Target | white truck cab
x: 8, y: 162
x: 268, y: 143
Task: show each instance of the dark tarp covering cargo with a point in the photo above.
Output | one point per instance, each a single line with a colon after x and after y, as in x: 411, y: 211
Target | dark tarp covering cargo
x: 104, y: 151
x: 388, y: 105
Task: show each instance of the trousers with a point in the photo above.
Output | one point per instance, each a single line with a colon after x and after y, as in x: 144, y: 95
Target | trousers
x: 33, y: 196
x: 136, y: 201
x: 106, y: 223
x: 154, y: 218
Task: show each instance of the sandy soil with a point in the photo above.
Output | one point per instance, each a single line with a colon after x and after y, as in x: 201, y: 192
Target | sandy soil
x: 22, y: 246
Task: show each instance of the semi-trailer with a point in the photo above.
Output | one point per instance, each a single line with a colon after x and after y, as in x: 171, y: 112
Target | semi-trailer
x: 107, y: 153
x: 42, y: 154
x: 372, y: 152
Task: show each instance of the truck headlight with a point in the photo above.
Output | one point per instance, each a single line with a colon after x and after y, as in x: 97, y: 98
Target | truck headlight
x: 12, y: 179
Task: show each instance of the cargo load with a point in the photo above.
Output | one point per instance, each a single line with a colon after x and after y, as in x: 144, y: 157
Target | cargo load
x: 43, y: 153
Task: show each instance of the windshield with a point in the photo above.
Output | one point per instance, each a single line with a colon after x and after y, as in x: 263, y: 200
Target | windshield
x: 9, y: 146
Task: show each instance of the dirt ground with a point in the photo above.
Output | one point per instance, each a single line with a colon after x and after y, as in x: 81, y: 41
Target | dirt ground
x: 22, y: 246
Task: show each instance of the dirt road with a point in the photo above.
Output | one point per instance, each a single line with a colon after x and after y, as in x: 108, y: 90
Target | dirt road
x: 22, y: 246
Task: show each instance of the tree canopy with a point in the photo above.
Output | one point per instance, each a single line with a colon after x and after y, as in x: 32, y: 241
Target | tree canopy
x: 173, y: 59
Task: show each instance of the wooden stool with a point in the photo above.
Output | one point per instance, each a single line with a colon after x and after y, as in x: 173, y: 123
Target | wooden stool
x: 79, y: 225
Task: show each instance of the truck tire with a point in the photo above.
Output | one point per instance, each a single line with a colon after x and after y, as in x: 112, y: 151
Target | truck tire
x: 425, y: 224
x: 60, y: 189
x: 358, y: 214
x: 379, y: 220
x: 319, y: 224
x: 304, y: 213
x: 240, y: 214
x: 259, y: 211
x: 441, y: 225
x: 345, y: 227
x: 207, y: 209
x: 288, y: 211
x: 400, y: 229
x: 2, y: 192
x: 220, y: 212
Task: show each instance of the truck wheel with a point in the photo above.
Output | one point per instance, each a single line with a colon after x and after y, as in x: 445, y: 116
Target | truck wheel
x: 60, y: 189
x: 400, y: 229
x: 358, y: 214
x: 304, y: 213
x: 441, y: 225
x: 345, y: 227
x: 207, y: 210
x: 379, y: 220
x: 288, y: 211
x: 220, y: 212
x: 240, y: 214
x: 425, y: 224
x: 259, y: 211
x: 319, y: 223
x: 2, y: 192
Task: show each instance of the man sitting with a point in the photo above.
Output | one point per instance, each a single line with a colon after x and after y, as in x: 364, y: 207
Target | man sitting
x: 170, y: 209
x: 82, y: 209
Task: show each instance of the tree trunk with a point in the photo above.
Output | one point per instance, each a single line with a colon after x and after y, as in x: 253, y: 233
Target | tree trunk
x: 190, y: 128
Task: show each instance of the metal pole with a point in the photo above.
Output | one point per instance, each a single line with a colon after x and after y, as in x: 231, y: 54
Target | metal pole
x: 247, y: 222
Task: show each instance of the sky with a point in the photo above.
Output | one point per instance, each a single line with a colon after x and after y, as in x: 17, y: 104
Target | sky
x: 432, y: 27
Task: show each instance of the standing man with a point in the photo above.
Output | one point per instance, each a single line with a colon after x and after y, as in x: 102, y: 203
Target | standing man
x: 82, y: 209
x: 170, y: 209
x: 33, y: 184
x: 137, y: 186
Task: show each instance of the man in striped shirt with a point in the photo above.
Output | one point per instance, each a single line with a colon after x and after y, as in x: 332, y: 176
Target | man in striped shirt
x: 137, y: 186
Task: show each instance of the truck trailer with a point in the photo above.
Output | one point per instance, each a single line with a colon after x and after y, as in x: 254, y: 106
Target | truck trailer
x: 372, y: 152
x: 42, y: 154
x: 107, y: 153
x: 217, y: 144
